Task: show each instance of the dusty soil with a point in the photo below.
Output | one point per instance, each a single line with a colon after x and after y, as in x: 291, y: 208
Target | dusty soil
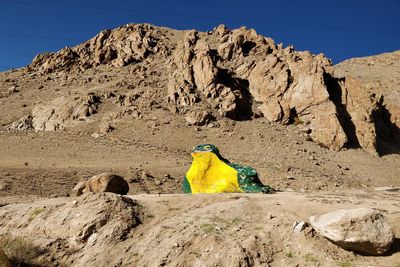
x: 211, y: 230
x: 186, y: 230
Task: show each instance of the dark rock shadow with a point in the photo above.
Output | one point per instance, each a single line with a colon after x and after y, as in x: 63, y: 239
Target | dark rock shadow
x: 244, y: 99
x: 246, y: 47
x: 335, y: 95
x: 387, y: 133
x: 395, y: 248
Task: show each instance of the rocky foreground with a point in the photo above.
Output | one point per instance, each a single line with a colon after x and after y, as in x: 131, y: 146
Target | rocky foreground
x: 203, y: 230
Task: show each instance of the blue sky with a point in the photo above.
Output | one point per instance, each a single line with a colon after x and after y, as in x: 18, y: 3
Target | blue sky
x: 340, y: 29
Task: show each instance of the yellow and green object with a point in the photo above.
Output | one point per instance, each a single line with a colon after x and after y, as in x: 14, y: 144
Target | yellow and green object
x: 211, y: 173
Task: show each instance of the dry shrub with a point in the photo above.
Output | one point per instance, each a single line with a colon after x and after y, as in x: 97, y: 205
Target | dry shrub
x: 4, y: 260
x: 18, y: 251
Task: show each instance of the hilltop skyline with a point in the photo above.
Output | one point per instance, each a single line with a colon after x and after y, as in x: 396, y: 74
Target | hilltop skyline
x: 341, y: 30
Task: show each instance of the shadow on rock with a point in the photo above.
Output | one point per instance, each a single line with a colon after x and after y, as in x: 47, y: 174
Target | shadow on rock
x: 388, y: 133
x: 395, y: 248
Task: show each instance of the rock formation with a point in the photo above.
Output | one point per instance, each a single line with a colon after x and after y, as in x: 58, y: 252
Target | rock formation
x: 374, y: 83
x: 237, y: 74
x: 125, y: 45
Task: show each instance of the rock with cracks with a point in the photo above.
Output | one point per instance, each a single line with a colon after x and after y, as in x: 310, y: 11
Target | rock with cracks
x: 237, y: 74
x: 363, y: 230
x: 73, y: 232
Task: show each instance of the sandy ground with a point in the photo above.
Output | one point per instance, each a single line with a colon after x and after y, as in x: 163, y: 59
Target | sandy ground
x: 234, y: 230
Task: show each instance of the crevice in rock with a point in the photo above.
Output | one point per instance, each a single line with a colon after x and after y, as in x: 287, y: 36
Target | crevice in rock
x: 240, y: 88
x: 290, y: 79
x: 387, y: 133
x: 294, y: 117
x: 335, y: 95
x: 246, y: 47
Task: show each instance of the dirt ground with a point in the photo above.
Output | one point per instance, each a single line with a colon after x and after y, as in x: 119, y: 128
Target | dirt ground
x: 50, y: 163
x: 313, y: 180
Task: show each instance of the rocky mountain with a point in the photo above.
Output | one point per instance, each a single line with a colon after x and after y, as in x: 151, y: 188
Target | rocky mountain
x: 127, y: 106
x: 206, y: 76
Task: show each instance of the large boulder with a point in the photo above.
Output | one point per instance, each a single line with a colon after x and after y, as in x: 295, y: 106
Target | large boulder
x: 104, y: 182
x: 362, y: 230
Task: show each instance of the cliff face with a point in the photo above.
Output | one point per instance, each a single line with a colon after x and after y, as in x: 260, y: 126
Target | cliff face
x: 207, y: 76
x: 375, y: 79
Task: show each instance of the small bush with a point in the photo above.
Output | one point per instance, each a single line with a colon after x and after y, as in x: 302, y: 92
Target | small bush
x: 289, y: 254
x: 344, y: 264
x: 310, y: 258
x: 35, y: 213
x: 19, y: 251
x: 297, y: 121
x: 208, y: 228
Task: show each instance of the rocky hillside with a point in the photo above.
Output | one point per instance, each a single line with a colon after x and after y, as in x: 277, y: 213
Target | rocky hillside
x: 203, y: 76
x: 133, y: 101
x: 379, y: 76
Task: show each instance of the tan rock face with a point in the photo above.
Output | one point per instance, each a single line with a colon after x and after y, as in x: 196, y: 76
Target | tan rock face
x: 248, y: 72
x: 87, y: 224
x: 236, y: 74
x: 125, y: 45
x: 104, y: 182
x: 363, y: 230
x: 375, y: 83
x: 63, y: 112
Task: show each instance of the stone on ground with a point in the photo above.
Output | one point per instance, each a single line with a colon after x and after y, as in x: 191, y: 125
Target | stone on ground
x: 362, y: 230
x: 104, y: 182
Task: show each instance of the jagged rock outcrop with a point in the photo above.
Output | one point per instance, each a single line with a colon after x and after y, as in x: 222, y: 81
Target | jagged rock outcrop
x: 236, y: 74
x: 196, y: 80
x: 127, y: 44
x: 374, y: 81
x: 244, y: 73
x: 23, y: 124
x: 59, y: 114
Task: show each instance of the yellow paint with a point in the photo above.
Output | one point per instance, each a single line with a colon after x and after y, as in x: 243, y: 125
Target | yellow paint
x: 208, y: 174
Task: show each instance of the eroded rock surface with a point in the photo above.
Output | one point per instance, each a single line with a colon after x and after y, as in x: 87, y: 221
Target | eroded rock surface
x: 363, y: 230
x: 237, y: 74
x: 83, y: 226
x: 125, y: 45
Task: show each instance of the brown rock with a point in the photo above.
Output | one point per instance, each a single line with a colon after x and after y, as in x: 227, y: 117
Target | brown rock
x: 64, y: 112
x: 198, y: 117
x: 126, y: 45
x: 104, y: 182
